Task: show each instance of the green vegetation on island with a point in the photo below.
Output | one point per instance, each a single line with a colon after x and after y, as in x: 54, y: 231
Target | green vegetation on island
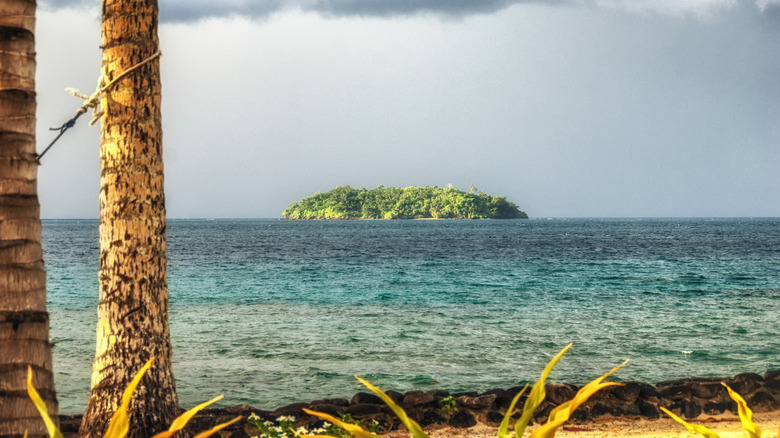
x: 382, y: 202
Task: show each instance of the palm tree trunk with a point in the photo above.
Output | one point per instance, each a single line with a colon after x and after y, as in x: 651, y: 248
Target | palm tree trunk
x: 133, y: 307
x: 24, y: 323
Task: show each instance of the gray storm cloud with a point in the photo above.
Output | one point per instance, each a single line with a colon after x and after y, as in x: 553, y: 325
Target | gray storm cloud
x: 178, y: 11
x: 194, y: 10
x: 408, y: 7
x: 581, y: 108
x: 182, y: 11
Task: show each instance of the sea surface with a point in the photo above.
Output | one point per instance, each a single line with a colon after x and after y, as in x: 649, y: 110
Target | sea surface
x: 270, y: 312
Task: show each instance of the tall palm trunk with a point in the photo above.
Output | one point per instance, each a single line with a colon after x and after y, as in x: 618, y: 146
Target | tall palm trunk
x: 24, y: 323
x: 133, y: 308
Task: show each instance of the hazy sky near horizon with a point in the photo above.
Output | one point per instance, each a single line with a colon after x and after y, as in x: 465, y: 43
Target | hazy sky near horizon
x: 567, y: 107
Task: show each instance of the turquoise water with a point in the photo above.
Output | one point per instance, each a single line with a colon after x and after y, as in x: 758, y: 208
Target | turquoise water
x: 270, y: 312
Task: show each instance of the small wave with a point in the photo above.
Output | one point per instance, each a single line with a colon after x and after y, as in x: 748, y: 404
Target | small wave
x: 409, y: 334
x: 741, y: 278
x: 328, y: 375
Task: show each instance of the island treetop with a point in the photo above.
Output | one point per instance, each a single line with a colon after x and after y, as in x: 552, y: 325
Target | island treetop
x: 382, y: 202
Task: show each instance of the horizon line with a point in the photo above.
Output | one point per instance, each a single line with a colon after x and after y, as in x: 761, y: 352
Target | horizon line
x: 203, y: 218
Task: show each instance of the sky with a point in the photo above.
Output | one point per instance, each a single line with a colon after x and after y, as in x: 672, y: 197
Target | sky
x: 569, y: 108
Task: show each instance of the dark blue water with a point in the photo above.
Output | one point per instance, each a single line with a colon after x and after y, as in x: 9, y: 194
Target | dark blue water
x: 270, y: 312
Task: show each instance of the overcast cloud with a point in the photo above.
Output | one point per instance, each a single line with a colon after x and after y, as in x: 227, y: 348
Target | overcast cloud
x: 194, y: 10
x: 568, y: 108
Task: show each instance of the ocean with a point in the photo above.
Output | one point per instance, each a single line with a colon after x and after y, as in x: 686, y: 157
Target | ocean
x: 271, y: 312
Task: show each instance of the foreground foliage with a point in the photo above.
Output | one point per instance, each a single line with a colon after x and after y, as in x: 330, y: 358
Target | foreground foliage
x: 346, y: 426
x: 555, y: 420
x: 557, y: 417
x: 745, y: 417
x: 403, y: 203
x: 119, y: 426
x: 285, y: 427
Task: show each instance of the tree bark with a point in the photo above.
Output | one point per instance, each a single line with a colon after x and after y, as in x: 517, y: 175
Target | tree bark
x: 24, y: 322
x: 133, y: 306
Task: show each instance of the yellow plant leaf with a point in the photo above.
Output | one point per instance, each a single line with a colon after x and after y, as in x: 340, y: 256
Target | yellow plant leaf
x: 745, y: 414
x: 182, y: 420
x: 697, y: 428
x: 41, y: 405
x: 561, y: 414
x: 504, y: 427
x: 593, y: 387
x: 410, y: 424
x: 301, y: 435
x: 354, y: 429
x: 537, y: 395
x: 119, y: 424
x: 217, y: 428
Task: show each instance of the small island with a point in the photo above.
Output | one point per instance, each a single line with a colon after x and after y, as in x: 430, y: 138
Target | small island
x: 382, y: 202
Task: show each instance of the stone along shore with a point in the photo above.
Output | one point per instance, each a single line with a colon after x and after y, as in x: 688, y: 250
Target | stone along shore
x: 689, y: 398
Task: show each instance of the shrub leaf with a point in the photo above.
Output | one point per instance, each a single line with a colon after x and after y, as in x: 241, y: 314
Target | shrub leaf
x: 504, y: 427
x: 120, y: 423
x: 41, y: 405
x: 217, y: 428
x: 561, y: 414
x: 354, y: 429
x: 410, y: 424
x: 537, y: 395
x: 182, y: 420
x: 692, y: 427
x: 745, y: 414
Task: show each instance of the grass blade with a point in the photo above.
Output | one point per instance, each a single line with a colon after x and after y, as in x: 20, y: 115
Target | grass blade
x: 41, y: 405
x: 217, y: 428
x: 561, y: 414
x: 745, y: 414
x: 410, y: 424
x: 537, y: 395
x: 503, y: 429
x: 182, y: 420
x: 119, y: 424
x: 697, y: 428
x: 354, y: 429
x: 593, y: 387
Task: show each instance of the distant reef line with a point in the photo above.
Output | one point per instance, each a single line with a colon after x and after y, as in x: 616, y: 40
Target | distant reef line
x: 414, y: 202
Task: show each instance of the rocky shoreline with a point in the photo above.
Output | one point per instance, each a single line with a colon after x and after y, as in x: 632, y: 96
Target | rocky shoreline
x: 689, y: 398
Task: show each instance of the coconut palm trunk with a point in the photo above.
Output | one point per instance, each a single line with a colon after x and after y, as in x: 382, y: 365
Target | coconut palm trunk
x: 133, y: 305
x: 24, y: 323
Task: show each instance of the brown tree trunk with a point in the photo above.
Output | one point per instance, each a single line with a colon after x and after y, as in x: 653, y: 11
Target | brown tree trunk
x: 133, y: 308
x: 24, y: 323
